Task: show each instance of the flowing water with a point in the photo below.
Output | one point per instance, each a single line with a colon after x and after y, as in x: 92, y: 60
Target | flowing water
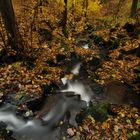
x: 76, y: 68
x: 34, y: 129
x: 72, y: 99
x: 86, y: 46
x: 79, y: 88
x: 25, y: 130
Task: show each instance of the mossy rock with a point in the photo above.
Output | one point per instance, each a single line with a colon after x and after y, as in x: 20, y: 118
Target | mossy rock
x: 135, y: 137
x: 99, y: 111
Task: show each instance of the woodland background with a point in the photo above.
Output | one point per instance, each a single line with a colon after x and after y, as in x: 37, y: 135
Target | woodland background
x: 41, y: 39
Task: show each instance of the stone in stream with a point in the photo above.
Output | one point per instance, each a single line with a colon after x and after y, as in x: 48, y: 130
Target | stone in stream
x: 115, y: 92
x: 56, y: 108
x: 119, y: 93
x: 60, y: 58
x: 4, y: 133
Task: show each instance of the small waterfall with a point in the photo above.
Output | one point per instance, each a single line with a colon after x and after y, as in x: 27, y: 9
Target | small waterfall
x: 64, y: 80
x: 34, y: 129
x: 77, y: 87
x: 76, y: 68
x: 27, y: 130
x: 86, y: 46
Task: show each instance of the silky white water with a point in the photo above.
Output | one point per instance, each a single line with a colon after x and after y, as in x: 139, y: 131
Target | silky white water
x: 33, y: 129
x: 86, y: 46
x: 27, y: 130
x: 79, y: 88
x: 76, y: 68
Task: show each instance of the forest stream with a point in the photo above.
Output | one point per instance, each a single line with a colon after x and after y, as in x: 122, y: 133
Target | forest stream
x: 69, y: 70
x: 75, y: 96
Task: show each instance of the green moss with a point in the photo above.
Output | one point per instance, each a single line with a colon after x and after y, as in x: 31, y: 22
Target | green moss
x: 99, y: 112
x: 134, y: 137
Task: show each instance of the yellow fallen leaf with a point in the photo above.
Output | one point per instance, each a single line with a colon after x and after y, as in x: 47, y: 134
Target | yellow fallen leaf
x: 138, y: 121
x: 122, y: 114
x: 105, y: 125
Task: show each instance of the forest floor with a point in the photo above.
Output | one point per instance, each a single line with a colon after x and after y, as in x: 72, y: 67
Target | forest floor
x: 112, y: 54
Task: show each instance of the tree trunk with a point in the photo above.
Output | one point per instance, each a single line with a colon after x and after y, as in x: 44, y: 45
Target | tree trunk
x: 85, y: 7
x: 8, y: 16
x: 64, y: 18
x: 134, y: 8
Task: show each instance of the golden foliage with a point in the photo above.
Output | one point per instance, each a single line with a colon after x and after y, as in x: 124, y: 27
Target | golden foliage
x: 94, y: 5
x: 79, y: 6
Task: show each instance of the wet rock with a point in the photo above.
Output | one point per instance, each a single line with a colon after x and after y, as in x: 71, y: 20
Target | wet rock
x: 115, y: 92
x: 60, y: 58
x: 88, y: 67
x: 11, y: 99
x: 121, y: 93
x: 73, y: 114
x: 74, y: 57
x: 83, y: 73
x: 51, y: 113
x: 2, y: 125
x: 19, y: 100
x: 35, y: 104
x: 99, y: 91
x: 49, y: 103
x: 23, y: 103
x: 93, y: 64
x: 48, y: 89
x: 4, y: 133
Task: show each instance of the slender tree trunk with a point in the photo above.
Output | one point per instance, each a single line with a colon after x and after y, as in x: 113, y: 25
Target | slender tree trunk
x: 73, y: 7
x: 85, y: 7
x: 134, y: 8
x: 64, y: 18
x: 8, y: 16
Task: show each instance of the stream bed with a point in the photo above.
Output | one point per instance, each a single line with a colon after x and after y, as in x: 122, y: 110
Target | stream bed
x: 76, y: 96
